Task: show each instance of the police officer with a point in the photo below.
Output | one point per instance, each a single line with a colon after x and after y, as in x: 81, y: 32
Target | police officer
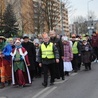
x: 47, y: 56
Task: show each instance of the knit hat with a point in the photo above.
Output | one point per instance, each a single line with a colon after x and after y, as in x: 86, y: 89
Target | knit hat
x: 64, y: 38
x: 36, y: 41
x: 24, y: 37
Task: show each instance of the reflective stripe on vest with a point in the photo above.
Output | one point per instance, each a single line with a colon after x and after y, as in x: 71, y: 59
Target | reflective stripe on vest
x: 74, y: 48
x: 47, y: 52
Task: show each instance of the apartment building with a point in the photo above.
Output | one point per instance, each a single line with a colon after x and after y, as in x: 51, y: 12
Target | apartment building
x: 30, y: 21
x: 63, y: 17
x: 2, y: 6
x: 38, y: 17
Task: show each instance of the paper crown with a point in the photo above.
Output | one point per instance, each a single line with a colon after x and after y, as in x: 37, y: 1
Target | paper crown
x: 10, y: 39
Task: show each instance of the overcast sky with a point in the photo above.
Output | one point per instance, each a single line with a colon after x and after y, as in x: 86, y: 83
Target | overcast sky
x: 81, y: 8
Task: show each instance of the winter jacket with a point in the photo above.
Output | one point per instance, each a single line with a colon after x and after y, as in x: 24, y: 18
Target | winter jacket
x: 68, y: 55
x: 86, y: 51
x: 58, y: 43
x: 94, y: 41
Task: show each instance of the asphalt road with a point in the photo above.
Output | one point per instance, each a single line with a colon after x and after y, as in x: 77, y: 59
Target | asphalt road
x: 83, y: 84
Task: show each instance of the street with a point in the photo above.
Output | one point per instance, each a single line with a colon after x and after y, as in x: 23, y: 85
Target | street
x: 83, y: 84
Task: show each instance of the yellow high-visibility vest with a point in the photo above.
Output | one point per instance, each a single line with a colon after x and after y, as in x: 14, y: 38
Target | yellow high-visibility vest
x: 75, y: 48
x: 47, y: 52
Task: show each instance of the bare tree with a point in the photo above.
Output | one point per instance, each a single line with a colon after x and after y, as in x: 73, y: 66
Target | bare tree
x: 24, y: 12
x: 50, y: 9
x: 80, y: 23
x: 91, y: 15
x: 27, y: 12
x: 52, y: 12
x: 38, y: 17
x: 2, y: 9
x: 46, y: 17
x: 67, y: 4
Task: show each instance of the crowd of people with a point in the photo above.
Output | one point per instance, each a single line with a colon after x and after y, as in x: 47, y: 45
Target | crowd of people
x: 22, y: 60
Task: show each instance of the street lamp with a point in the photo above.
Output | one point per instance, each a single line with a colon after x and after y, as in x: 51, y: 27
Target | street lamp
x: 88, y: 7
x: 61, y: 15
x: 90, y: 28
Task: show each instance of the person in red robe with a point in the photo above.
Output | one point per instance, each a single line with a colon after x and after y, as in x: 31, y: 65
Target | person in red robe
x: 20, y: 63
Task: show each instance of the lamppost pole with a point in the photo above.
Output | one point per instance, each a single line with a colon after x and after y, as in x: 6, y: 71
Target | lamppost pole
x: 89, y: 18
x: 61, y: 12
x: 88, y: 8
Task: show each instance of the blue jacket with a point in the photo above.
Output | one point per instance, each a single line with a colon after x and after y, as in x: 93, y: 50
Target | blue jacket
x: 6, y: 51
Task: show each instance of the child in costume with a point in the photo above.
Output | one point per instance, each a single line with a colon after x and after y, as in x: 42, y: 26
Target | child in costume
x: 20, y: 63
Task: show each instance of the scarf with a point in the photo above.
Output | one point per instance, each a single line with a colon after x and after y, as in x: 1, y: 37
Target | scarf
x: 20, y: 46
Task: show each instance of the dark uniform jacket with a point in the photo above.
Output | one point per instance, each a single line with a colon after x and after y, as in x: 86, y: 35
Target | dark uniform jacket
x: 58, y: 43
x: 29, y: 46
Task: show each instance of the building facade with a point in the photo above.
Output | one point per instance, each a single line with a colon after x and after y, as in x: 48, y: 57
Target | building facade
x: 32, y: 18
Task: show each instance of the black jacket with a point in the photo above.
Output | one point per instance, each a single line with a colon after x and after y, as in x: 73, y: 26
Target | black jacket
x: 58, y: 43
x: 29, y: 46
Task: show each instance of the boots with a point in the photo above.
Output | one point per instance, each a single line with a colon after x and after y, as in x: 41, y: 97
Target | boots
x: 9, y: 82
x: 2, y: 85
x: 66, y: 73
x: 44, y: 84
